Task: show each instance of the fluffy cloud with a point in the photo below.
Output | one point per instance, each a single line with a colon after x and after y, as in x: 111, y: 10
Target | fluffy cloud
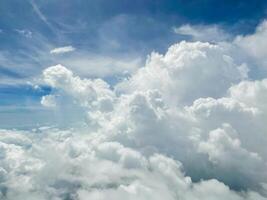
x: 94, y: 94
x: 177, y: 117
x: 69, y: 165
x: 187, y: 70
x: 225, y: 151
x: 248, y: 48
x: 254, y: 44
x: 190, y: 124
x: 81, y: 95
x: 252, y: 93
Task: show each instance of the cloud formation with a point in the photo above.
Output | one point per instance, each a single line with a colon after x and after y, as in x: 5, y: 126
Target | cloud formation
x: 69, y: 165
x: 190, y: 124
x: 61, y: 50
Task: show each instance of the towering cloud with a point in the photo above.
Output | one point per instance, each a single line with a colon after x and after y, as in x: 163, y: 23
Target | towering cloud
x: 190, y: 124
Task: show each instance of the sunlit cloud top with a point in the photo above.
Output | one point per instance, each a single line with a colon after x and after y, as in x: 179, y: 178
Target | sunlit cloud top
x: 120, y: 100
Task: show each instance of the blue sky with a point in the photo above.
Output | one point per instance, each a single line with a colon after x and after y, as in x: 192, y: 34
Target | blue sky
x: 108, y: 37
x: 138, y: 100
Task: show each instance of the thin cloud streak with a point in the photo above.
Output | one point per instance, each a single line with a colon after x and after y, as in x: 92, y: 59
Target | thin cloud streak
x: 61, y: 50
x: 40, y: 14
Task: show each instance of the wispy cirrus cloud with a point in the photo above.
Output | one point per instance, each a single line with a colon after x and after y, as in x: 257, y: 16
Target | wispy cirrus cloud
x: 24, y: 32
x: 39, y: 13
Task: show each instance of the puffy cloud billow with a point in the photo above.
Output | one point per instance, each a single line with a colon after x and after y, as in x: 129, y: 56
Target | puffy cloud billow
x: 190, y: 124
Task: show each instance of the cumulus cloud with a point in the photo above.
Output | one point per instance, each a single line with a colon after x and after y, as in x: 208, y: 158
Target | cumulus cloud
x: 61, y: 50
x: 93, y: 94
x: 190, y: 124
x: 248, y: 48
x: 69, y: 165
x: 252, y: 93
x: 204, y: 63
x: 145, y: 116
x: 254, y: 44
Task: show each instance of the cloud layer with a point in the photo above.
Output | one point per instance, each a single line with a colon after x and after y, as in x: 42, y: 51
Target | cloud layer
x: 190, y: 124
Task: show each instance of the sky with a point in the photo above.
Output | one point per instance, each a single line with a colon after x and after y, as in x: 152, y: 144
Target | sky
x: 106, y: 39
x: 145, y: 99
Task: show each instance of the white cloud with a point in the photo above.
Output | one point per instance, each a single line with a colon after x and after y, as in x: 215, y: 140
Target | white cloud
x: 178, y: 117
x: 249, y: 48
x: 224, y: 149
x: 254, y: 44
x: 93, y: 94
x: 61, y: 50
x: 190, y: 124
x: 64, y: 164
x: 187, y: 70
x: 252, y: 93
